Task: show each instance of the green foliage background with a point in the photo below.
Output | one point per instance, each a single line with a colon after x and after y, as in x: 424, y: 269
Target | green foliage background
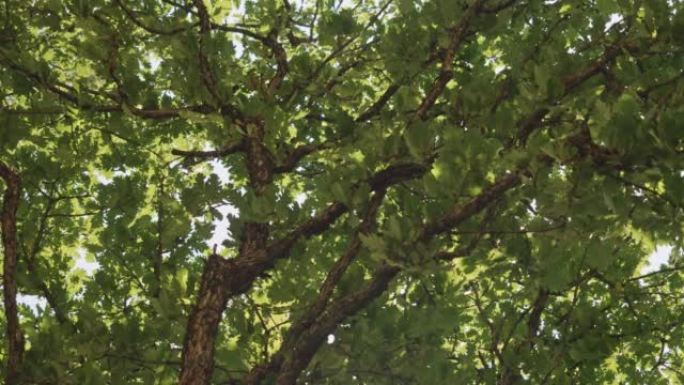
x: 113, y: 112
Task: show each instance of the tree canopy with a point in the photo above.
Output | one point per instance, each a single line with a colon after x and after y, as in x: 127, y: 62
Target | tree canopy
x: 406, y: 191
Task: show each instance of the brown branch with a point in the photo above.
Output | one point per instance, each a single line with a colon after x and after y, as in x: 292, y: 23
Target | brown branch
x: 314, y: 226
x: 493, y: 331
x: 665, y: 270
x: 379, y: 104
x: 609, y: 55
x: 208, y: 77
x: 66, y: 93
x: 337, y: 271
x: 158, y: 257
x: 570, y: 83
x: 223, y: 279
x: 232, y: 148
x: 198, y: 348
x: 156, y: 31
x: 31, y: 256
x: 396, y: 173
x: 292, y: 160
x: 329, y: 285
x: 281, y: 62
x: 300, y: 355
x: 301, y: 351
x: 520, y: 231
x: 474, y: 206
x: 241, y: 31
x: 341, y: 48
x: 646, y: 189
x: 507, y: 86
x: 380, y: 181
x: 534, y: 322
x: 73, y: 215
x: 498, y: 7
x: 456, y: 37
x: 653, y: 87
x: 509, y: 374
x: 15, y: 337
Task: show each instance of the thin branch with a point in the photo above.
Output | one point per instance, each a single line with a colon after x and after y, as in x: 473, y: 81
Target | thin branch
x: 379, y: 104
x: 281, y: 63
x: 570, y: 83
x: 456, y: 37
x: 665, y: 270
x: 475, y: 205
x: 498, y: 7
x: 238, y: 146
x: 292, y: 160
x: 31, y: 258
x: 156, y: 31
x: 208, y: 77
x: 341, y: 48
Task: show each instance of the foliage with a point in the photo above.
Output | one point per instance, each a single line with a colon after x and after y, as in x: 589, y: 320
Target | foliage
x: 438, y: 191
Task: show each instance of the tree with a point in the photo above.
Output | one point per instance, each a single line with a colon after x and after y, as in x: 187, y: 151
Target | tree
x: 417, y: 191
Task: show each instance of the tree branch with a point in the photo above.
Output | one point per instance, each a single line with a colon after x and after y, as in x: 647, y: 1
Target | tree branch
x: 292, y: 160
x: 238, y: 146
x: 31, y: 257
x: 15, y: 337
x: 208, y: 78
x: 456, y: 37
x: 475, y: 205
x: 302, y: 350
x: 156, y: 31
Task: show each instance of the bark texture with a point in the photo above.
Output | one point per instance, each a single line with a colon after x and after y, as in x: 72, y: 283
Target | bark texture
x: 15, y: 337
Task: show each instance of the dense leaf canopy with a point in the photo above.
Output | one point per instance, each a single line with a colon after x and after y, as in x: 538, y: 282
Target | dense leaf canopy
x: 404, y: 191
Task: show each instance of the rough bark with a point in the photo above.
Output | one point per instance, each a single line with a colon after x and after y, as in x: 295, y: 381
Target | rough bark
x: 15, y: 336
x: 198, y: 349
x: 232, y: 277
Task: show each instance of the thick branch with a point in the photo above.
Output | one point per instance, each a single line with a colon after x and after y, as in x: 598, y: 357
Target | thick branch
x: 326, y: 291
x: 15, y: 336
x: 396, y: 173
x: 198, y: 349
x: 235, y: 276
x: 309, y: 340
